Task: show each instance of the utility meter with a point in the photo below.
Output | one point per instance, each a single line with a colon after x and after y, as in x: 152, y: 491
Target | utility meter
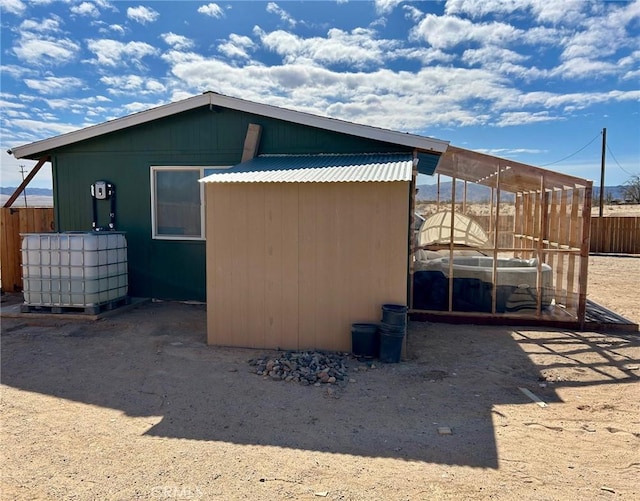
x: 101, y: 190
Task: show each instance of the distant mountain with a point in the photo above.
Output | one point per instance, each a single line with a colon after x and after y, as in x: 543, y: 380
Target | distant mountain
x: 44, y: 192
x: 477, y: 193
x: 612, y: 192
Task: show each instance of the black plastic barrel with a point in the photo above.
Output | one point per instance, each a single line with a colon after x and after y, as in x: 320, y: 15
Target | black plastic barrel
x: 394, y: 314
x: 391, y: 339
x: 392, y: 331
x: 364, y: 340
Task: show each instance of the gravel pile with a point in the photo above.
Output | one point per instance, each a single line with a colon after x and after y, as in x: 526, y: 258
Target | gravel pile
x: 306, y: 368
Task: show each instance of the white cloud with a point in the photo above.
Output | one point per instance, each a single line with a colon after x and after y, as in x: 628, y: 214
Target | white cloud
x: 545, y: 11
x: 274, y: 8
x: 77, y: 102
x: 236, y: 47
x: 503, y: 62
x: 13, y: 6
x: 573, y: 101
x: 11, y: 105
x: 17, y: 72
x: 425, y: 55
x: 541, y: 36
x: 142, y: 15
x: 445, y: 32
x: 34, y: 50
x: 51, y: 25
x: 212, y: 10
x: 406, y: 101
x: 603, y: 35
x: 358, y: 48
x: 582, y: 67
x: 116, y: 28
x: 386, y: 6
x: 514, y: 118
x: 44, y: 128
x: 40, y: 42
x: 85, y: 9
x: 510, y: 152
x: 113, y: 53
x: 412, y: 13
x: 54, y: 85
x: 488, y: 55
x: 132, y: 85
x: 567, y: 12
x: 135, y: 107
x: 178, y: 42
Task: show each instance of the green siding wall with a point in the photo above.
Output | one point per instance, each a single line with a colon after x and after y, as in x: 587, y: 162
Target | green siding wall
x: 202, y: 137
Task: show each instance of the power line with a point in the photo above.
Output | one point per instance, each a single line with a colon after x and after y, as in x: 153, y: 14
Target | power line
x: 616, y: 161
x: 573, y: 154
x: 24, y: 191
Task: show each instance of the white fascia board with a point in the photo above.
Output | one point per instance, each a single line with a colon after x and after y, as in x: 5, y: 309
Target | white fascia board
x: 110, y: 126
x: 332, y: 124
x: 212, y: 99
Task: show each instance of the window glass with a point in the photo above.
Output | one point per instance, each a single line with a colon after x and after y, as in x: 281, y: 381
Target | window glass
x: 178, y: 210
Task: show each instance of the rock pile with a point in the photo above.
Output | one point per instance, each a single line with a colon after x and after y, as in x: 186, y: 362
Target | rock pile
x: 306, y: 368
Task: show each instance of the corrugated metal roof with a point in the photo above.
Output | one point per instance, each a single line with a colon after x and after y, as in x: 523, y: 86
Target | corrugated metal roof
x: 325, y: 168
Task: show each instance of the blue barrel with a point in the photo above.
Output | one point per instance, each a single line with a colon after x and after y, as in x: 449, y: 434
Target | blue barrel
x: 394, y: 314
x: 364, y: 340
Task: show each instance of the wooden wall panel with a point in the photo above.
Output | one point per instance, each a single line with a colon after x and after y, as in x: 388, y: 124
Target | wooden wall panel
x: 281, y: 266
x: 292, y: 266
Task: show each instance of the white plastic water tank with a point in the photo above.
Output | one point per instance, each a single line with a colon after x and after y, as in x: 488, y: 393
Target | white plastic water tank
x: 75, y: 269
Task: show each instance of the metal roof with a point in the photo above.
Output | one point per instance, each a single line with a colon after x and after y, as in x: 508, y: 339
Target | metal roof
x: 371, y: 167
x: 214, y: 100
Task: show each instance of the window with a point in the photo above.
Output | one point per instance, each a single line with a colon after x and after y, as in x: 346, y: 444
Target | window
x: 177, y: 203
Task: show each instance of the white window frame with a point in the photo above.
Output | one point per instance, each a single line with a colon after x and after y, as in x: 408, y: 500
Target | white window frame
x: 159, y: 168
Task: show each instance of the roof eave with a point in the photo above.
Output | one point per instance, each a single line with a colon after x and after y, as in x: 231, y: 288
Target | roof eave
x: 39, y: 147
x: 421, y: 143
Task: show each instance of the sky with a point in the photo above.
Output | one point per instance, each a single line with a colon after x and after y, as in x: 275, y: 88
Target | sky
x: 531, y: 80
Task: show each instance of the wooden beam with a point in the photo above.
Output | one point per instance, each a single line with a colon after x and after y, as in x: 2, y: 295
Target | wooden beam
x: 251, y: 142
x: 584, y: 255
x: 515, y: 176
x: 26, y: 181
x: 412, y: 223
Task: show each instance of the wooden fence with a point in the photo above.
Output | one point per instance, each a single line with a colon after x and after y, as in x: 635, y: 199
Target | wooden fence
x: 609, y: 235
x: 615, y: 235
x: 14, y: 221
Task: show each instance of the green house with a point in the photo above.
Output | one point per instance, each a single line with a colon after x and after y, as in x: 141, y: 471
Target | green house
x: 154, y: 160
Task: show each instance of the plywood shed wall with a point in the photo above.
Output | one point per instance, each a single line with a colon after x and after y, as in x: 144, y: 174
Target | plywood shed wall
x: 293, y: 265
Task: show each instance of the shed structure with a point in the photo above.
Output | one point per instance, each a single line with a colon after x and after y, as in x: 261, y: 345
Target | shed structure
x: 531, y: 265
x: 310, y: 245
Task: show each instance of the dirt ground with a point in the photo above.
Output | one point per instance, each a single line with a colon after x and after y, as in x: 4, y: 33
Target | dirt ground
x: 136, y: 406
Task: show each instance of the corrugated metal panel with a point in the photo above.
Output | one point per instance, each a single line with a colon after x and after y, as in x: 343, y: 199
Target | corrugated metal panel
x: 373, y: 167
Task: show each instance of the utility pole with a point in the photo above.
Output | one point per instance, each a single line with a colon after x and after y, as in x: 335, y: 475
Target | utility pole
x: 604, y: 148
x: 24, y: 192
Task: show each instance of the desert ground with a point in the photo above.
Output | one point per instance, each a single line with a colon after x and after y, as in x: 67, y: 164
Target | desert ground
x: 137, y: 406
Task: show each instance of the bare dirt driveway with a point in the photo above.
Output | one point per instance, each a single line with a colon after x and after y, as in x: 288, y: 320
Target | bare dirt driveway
x: 136, y: 406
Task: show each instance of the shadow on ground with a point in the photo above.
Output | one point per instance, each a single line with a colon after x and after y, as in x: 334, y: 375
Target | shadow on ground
x: 153, y: 361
